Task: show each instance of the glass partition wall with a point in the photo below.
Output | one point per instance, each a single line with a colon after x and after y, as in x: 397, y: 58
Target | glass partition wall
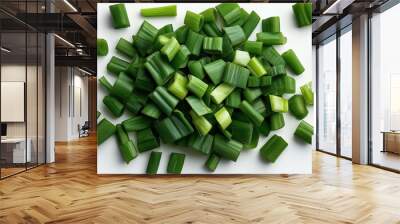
x: 334, y: 86
x: 385, y: 90
x: 22, y: 77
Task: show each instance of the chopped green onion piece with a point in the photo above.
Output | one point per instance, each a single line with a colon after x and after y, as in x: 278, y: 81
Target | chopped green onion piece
x: 144, y: 81
x: 146, y: 140
x: 278, y: 104
x: 223, y: 118
x: 265, y: 81
x: 244, y: 15
x: 230, y: 12
x: 194, y: 21
x: 215, y: 70
x: 235, y: 34
x: 297, y: 107
x: 174, y: 127
x: 256, y: 68
x: 194, y: 42
x: 271, y: 38
x: 251, y: 113
x: 271, y: 25
x: 117, y: 65
x: 200, y: 123
x: 151, y: 110
x: 154, y: 163
x: 181, y: 34
x: 253, y: 81
x: 293, y: 62
x: 137, y: 123
x: 308, y: 94
x: 251, y: 23
x: 234, y: 99
x: 289, y: 84
x: 119, y: 16
x: 221, y: 92
x: 213, y: 45
x: 302, y: 12
x: 227, y: 49
x: 253, y: 47
x: 236, y: 75
x: 178, y: 86
x: 211, y: 29
x: 105, y: 129
x: 181, y: 58
x: 212, y: 162
x: 271, y: 150
x: 196, y: 69
x: 260, y: 107
x: 209, y: 15
x: 241, y: 58
x: 114, y: 105
x: 164, y: 100
x: 304, y: 131
x: 201, y: 143
x: 169, y: 10
x: 126, y: 48
x: 198, y: 105
x: 126, y: 147
x: 160, y: 70
x: 196, y: 86
x: 228, y: 149
x: 122, y: 89
x: 277, y: 70
x: 251, y: 94
x: 171, y: 48
x: 265, y: 128
x: 254, y: 140
x: 175, y: 163
x: 135, y: 102
x: 272, y: 56
x: 102, y: 47
x: 105, y: 83
x: 276, y: 121
x: 242, y: 131
x: 145, y: 37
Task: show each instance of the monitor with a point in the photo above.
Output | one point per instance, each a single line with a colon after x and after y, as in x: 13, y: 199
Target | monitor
x: 3, y: 129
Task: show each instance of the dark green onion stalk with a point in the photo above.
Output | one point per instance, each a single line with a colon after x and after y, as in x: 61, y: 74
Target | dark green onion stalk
x: 119, y: 16
x: 154, y: 163
x: 273, y: 148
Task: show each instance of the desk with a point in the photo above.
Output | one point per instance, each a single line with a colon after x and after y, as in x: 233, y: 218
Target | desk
x: 16, y: 147
x: 391, y: 141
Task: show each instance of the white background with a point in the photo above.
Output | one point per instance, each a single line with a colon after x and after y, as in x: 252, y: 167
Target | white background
x: 295, y: 159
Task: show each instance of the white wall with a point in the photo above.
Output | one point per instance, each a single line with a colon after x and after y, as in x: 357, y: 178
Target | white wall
x: 69, y: 82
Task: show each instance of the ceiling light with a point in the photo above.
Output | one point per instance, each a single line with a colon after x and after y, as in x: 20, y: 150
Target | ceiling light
x: 5, y: 50
x: 64, y: 40
x: 84, y: 71
x: 70, y: 5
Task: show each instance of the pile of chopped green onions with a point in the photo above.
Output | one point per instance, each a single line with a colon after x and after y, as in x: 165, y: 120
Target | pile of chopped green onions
x: 204, y: 86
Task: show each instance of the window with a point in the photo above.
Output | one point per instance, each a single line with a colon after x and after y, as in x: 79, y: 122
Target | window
x: 385, y: 89
x: 327, y: 96
x: 346, y: 93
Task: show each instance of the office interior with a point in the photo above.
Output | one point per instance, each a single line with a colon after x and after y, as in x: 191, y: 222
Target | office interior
x: 48, y: 80
x: 48, y: 128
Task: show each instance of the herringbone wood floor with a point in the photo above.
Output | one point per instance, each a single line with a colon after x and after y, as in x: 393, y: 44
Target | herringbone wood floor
x: 69, y: 191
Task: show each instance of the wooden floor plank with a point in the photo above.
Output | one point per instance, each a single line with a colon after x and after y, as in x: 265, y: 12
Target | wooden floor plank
x: 70, y: 191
